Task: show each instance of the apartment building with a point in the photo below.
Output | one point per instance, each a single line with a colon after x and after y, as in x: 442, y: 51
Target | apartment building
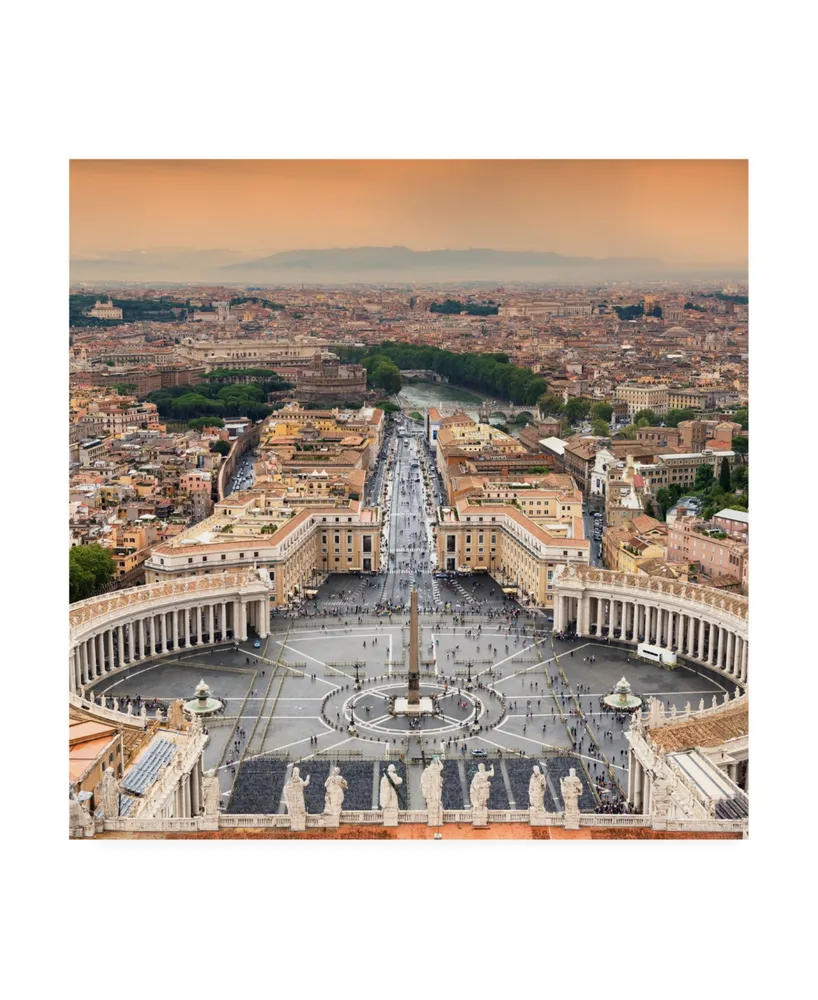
x: 643, y: 397
x: 298, y: 540
x: 711, y: 555
x: 488, y: 535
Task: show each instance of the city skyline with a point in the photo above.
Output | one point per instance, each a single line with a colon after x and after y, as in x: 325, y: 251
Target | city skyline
x: 690, y: 213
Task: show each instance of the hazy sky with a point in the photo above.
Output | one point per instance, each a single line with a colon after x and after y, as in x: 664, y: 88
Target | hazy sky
x: 692, y: 211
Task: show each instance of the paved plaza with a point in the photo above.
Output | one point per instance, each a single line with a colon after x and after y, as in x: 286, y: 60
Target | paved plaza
x: 294, y: 698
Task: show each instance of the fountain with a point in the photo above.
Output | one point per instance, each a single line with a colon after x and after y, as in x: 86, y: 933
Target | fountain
x: 202, y: 705
x: 622, y: 699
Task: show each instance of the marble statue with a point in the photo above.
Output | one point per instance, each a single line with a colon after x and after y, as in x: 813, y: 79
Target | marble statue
x: 80, y: 821
x: 571, y: 788
x: 107, y: 794
x: 211, y: 793
x: 536, y: 790
x: 294, y: 797
x: 334, y: 786
x: 715, y: 702
x: 431, y: 787
x: 388, y: 792
x: 481, y: 787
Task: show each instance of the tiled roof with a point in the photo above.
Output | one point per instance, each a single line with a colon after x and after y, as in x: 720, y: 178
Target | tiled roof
x: 707, y: 731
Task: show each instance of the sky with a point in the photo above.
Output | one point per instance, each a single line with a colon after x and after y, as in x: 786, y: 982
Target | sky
x: 681, y: 211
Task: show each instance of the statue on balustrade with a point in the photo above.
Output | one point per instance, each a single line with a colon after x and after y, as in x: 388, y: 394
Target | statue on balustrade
x: 536, y: 790
x: 334, y: 788
x: 107, y: 794
x: 294, y: 794
x: 481, y: 787
x: 211, y: 793
x: 571, y: 788
x: 431, y: 787
x: 389, y: 789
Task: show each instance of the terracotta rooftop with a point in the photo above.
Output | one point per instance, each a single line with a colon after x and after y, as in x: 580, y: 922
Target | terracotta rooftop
x: 708, y: 731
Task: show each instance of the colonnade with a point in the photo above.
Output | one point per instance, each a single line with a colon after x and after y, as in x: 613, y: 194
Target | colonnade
x: 155, y: 632
x: 694, y: 633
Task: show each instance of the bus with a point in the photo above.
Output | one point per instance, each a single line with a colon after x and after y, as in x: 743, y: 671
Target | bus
x: 656, y: 654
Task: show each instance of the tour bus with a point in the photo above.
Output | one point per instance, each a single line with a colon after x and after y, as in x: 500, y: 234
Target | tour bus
x: 656, y: 654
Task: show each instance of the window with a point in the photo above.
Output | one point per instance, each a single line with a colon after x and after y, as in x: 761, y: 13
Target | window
x: 204, y: 558
x: 367, y: 543
x: 223, y: 558
x: 241, y: 555
x: 190, y: 559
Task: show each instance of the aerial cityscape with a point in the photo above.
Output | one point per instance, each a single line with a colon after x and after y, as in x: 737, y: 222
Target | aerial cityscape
x: 408, y: 500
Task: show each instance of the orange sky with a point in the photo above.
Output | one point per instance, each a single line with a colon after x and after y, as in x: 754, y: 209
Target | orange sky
x: 692, y: 211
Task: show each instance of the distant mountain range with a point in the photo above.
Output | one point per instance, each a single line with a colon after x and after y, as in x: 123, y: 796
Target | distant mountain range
x: 376, y: 265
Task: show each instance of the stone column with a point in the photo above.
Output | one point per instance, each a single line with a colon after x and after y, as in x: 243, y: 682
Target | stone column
x: 163, y: 634
x: 141, y: 628
x: 242, y: 620
x: 109, y: 635
x: 210, y: 631
x: 599, y: 616
x: 92, y: 658
x: 101, y: 653
x: 714, y: 644
x: 263, y: 617
x: 630, y: 777
x: 638, y: 776
x: 729, y: 663
x: 186, y: 626
x: 120, y: 643
x: 223, y: 619
x: 743, y: 674
x: 174, y: 627
x: 691, y: 633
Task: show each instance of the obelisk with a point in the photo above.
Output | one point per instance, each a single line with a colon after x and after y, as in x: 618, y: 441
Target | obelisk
x: 414, y: 650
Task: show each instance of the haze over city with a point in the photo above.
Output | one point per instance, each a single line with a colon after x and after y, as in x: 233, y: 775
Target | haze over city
x: 195, y: 220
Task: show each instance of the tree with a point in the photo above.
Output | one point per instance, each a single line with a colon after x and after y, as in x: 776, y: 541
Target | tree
x: 724, y: 475
x: 602, y: 411
x: 629, y: 432
x: 649, y: 508
x: 199, y: 423
x: 739, y: 478
x: 550, y: 405
x: 674, y: 417
x: 577, y: 409
x: 125, y: 388
x: 221, y: 447
x: 643, y: 422
x: 652, y: 419
x: 742, y: 417
x: 740, y: 445
x: 90, y: 568
x: 600, y: 428
x: 704, y: 477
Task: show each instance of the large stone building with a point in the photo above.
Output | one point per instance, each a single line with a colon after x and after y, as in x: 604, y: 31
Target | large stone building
x: 298, y: 540
x: 328, y: 381
x: 520, y: 546
x: 248, y: 353
x: 644, y: 397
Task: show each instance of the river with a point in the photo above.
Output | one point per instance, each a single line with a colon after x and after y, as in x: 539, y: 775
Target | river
x: 422, y: 395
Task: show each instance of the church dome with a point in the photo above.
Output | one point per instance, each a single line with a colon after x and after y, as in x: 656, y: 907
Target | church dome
x: 677, y: 331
